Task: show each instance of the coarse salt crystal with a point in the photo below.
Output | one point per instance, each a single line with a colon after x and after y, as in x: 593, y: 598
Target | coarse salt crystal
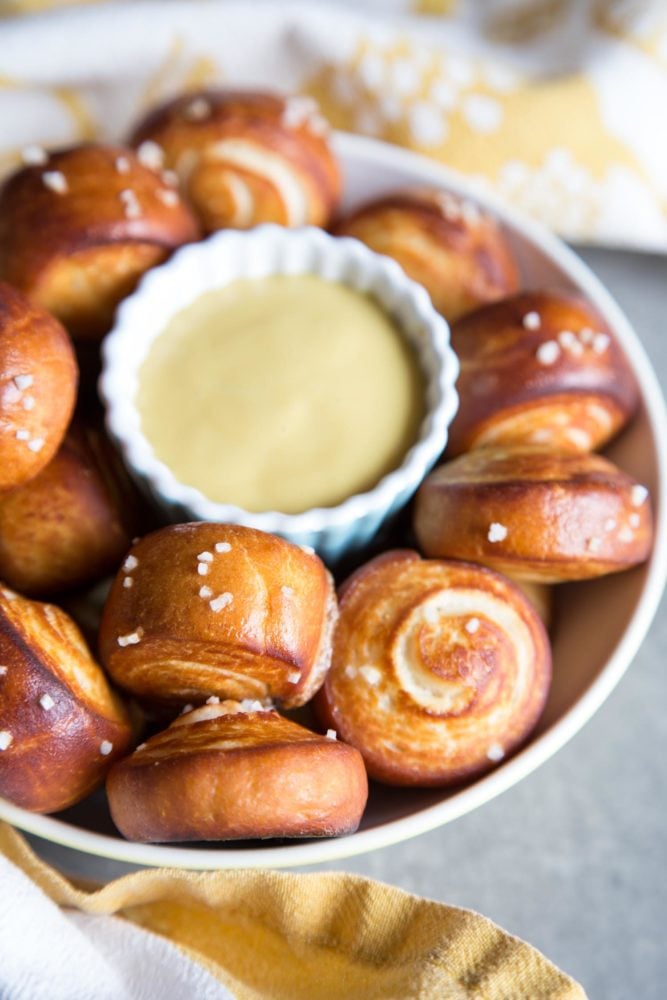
x: 350, y: 671
x: 287, y: 591
x: 222, y: 547
x: 600, y: 342
x: 197, y: 110
x: 130, y: 564
x: 332, y: 734
x: 6, y: 739
x: 610, y: 524
x: 28, y: 403
x: 205, y: 557
x: 634, y: 520
x: 170, y: 178
x: 472, y: 625
x: 130, y: 640
x: 205, y: 592
x: 22, y: 435
x: 495, y: 752
x: 186, y: 708
x: 220, y: 602
x: 531, y: 321
x: 370, y: 674
x: 202, y: 568
x: 308, y: 549
x: 47, y: 702
x: 36, y: 444
x: 497, y: 532
x: 106, y: 746
x: 626, y: 535
x: 130, y: 202
x: 593, y: 544
x: 213, y: 700
x: 55, y: 181
x: 142, y: 746
x: 294, y: 676
x: 128, y: 582
x: 548, y: 352
x: 150, y: 155
x: 168, y: 197
x: 3, y: 671
x: 34, y: 156
x: 23, y: 381
x: 122, y: 164
x: 638, y: 495
x: 586, y: 335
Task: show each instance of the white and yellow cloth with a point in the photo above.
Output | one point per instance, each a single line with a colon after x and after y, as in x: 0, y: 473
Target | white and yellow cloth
x: 558, y: 105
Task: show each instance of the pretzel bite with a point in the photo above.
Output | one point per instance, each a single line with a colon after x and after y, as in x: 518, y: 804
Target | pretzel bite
x: 534, y: 514
x: 78, y: 230
x: 446, y: 243
x: 61, y: 726
x: 244, y: 158
x: 540, y: 368
x: 38, y: 380
x: 439, y: 669
x: 218, y: 609
x: 73, y: 522
x: 237, y: 770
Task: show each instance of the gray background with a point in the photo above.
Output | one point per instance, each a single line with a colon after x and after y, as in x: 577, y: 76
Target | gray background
x: 573, y: 858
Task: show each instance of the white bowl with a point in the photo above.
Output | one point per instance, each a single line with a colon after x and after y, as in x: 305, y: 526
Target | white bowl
x: 601, y: 623
x: 257, y: 253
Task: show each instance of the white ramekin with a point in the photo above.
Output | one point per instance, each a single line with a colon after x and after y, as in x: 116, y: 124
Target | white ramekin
x: 268, y: 250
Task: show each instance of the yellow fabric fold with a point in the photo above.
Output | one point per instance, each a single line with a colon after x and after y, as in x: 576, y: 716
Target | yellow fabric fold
x: 266, y: 934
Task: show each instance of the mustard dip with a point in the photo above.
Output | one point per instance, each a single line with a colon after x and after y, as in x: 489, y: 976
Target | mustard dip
x: 281, y: 393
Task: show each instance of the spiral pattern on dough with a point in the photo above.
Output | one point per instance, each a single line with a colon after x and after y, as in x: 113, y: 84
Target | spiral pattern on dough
x: 440, y: 669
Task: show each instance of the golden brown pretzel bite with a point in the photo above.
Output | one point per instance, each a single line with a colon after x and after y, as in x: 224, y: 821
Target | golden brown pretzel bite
x: 229, y: 771
x: 38, y: 380
x: 218, y: 609
x: 78, y: 231
x: 539, y: 368
x: 444, y: 242
x: 61, y: 726
x: 247, y: 157
x: 439, y: 669
x: 541, y: 515
x: 73, y: 522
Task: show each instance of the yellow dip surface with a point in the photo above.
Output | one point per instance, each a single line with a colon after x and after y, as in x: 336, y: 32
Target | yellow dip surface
x: 281, y: 393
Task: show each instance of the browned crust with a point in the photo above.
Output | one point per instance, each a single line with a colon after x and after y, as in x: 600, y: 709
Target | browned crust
x: 266, y: 642
x: 254, y: 116
x: 567, y: 516
x: 508, y: 397
x: 55, y: 757
x: 32, y: 343
x: 457, y: 252
x: 72, y: 523
x: 277, y: 779
x: 489, y: 700
x: 39, y: 227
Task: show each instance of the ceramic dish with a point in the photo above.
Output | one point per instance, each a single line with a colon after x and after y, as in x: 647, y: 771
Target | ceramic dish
x: 269, y: 250
x: 601, y: 623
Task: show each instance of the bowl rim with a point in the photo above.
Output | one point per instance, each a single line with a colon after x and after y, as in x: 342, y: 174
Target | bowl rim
x: 535, y: 753
x: 387, y: 279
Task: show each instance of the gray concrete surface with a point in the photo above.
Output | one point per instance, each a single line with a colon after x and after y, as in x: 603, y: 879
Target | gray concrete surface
x: 573, y: 859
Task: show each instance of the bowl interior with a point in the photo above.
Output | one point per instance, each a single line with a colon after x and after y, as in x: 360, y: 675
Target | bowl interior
x: 599, y: 624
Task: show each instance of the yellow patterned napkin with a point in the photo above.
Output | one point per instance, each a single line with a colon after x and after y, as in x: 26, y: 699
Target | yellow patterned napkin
x: 272, y: 936
x: 557, y: 105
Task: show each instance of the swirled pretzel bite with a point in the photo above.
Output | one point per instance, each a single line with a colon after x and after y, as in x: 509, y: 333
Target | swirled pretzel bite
x: 38, y: 381
x: 237, y: 770
x: 445, y: 242
x: 80, y: 227
x: 439, y: 670
x: 539, y: 368
x: 539, y: 515
x: 73, y: 522
x: 218, y: 609
x: 247, y: 157
x: 61, y: 726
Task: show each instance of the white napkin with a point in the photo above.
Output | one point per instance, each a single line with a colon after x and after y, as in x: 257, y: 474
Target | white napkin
x: 51, y: 954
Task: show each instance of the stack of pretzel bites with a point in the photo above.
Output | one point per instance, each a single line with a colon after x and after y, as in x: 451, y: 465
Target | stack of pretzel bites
x: 428, y: 667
